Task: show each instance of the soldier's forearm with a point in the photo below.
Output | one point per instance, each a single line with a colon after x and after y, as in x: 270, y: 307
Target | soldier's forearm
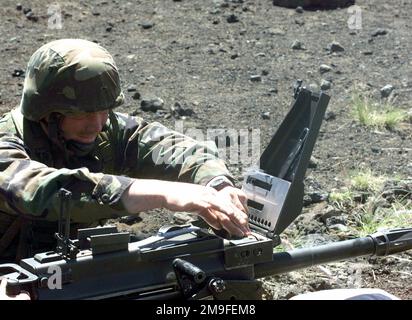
x: 145, y: 194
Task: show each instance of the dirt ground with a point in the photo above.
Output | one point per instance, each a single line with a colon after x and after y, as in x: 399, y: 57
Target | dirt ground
x: 232, y: 65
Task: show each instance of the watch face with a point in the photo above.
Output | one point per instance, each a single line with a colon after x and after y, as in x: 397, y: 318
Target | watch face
x: 219, y: 183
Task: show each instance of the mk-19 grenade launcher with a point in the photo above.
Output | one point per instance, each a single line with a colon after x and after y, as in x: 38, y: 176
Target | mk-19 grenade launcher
x: 191, y: 262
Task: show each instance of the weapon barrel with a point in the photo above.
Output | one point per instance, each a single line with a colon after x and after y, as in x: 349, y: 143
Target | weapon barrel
x: 380, y: 244
x: 303, y: 258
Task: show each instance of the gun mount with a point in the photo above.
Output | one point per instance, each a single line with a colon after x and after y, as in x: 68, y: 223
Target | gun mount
x: 190, y: 262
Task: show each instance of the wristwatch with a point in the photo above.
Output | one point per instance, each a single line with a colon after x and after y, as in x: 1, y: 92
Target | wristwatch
x: 219, y: 183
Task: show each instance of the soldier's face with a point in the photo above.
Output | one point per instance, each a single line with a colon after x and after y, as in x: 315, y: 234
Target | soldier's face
x: 84, y: 128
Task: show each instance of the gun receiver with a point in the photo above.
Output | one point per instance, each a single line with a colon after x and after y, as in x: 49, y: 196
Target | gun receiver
x: 188, y: 262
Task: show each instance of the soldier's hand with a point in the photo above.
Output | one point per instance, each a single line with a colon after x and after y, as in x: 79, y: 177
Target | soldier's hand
x: 236, y: 196
x: 3, y: 295
x: 216, y: 208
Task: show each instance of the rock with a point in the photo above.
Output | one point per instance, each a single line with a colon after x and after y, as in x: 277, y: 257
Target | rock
x: 313, y: 87
x: 234, y: 56
x: 299, y: 22
x: 318, y: 196
x: 31, y: 16
x: 276, y: 32
x: 109, y: 28
x: 130, y: 219
x: 367, y: 52
x: 152, y: 105
x: 161, y: 113
x: 397, y: 188
x: 183, y: 217
x: 314, y: 197
x: 324, y: 68
x: 307, y: 200
x: 178, y: 111
x: 321, y: 284
x: 325, y: 85
x: 379, y: 32
x: 273, y: 90
x: 18, y: 73
x: 147, y: 24
x: 215, y: 11
x: 265, y: 115
x: 313, y: 162
x: 406, y: 83
x: 255, y: 78
x: 328, y: 213
x: 299, y: 9
x: 232, y: 18
x: 131, y: 88
x: 265, y: 72
x: 19, y: 7
x: 375, y: 149
x: 335, y: 220
x: 386, y: 90
x: 26, y: 10
x: 316, y: 238
x: 297, y: 45
x: 95, y: 13
x: 330, y: 115
x: 338, y: 227
x: 336, y: 47
x: 211, y: 49
x: 136, y: 96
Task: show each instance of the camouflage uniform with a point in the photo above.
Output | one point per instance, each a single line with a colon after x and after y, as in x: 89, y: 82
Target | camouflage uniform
x: 34, y: 167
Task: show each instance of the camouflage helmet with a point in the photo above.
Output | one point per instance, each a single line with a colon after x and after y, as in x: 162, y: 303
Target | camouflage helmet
x: 70, y: 76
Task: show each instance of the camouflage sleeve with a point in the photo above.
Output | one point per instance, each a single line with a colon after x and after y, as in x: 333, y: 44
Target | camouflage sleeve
x: 169, y: 155
x: 31, y: 187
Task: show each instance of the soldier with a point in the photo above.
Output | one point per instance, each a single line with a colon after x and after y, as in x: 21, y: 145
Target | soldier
x: 65, y: 134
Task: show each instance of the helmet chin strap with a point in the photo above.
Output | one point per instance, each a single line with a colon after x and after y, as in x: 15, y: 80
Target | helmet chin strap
x: 76, y: 148
x: 79, y: 149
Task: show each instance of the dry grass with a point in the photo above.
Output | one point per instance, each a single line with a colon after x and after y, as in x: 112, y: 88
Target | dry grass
x: 377, y: 115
